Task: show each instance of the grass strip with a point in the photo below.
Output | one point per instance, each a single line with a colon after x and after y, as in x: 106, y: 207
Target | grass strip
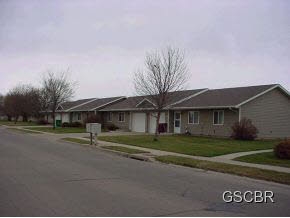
x: 125, y: 150
x: 19, y: 123
x: 76, y: 140
x: 251, y: 172
x: 24, y: 131
x: 264, y: 158
x: 192, y: 145
x: 59, y: 130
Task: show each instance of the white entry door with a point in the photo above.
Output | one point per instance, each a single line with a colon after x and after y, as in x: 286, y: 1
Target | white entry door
x: 138, y: 122
x: 152, y: 122
x: 177, y: 122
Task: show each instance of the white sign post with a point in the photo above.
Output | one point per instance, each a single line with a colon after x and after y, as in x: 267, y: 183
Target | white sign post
x: 94, y: 129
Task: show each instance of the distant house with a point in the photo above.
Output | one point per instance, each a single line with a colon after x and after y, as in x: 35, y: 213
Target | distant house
x: 209, y: 112
x: 78, y: 111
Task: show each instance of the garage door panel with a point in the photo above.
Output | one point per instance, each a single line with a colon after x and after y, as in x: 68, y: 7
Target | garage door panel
x: 139, y: 122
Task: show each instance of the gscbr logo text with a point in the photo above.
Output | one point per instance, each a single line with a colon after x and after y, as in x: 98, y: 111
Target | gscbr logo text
x: 248, y: 196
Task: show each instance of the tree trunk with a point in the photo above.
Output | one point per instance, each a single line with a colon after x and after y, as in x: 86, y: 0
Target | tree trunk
x: 24, y: 119
x: 53, y: 119
x: 16, y: 119
x: 157, y: 126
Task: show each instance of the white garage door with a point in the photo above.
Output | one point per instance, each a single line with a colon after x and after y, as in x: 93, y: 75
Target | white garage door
x: 65, y: 117
x: 152, y: 124
x: 138, y: 122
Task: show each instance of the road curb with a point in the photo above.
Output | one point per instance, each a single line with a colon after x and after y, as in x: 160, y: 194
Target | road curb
x: 123, y: 154
x: 119, y: 153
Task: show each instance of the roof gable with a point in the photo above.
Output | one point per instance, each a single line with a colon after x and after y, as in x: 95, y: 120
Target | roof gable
x: 145, y: 103
x: 229, y: 97
x: 131, y: 103
x: 98, y: 103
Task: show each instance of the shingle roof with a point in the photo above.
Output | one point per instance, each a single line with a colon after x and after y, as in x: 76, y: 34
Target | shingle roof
x: 131, y: 102
x: 70, y: 104
x: 96, y: 103
x: 224, y: 97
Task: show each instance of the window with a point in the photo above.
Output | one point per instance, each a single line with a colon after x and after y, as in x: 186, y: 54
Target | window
x: 193, y: 117
x: 218, y: 117
x: 121, y: 117
x: 79, y: 116
x: 110, y: 117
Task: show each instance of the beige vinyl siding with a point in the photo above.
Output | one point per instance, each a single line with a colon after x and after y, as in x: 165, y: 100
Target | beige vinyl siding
x: 206, y: 126
x: 270, y: 113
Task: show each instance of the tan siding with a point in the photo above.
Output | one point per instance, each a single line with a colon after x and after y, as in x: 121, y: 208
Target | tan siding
x: 270, y: 113
x: 115, y: 121
x: 206, y: 127
x: 171, y: 121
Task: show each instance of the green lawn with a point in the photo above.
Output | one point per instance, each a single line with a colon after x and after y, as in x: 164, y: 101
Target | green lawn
x: 125, y: 150
x: 23, y: 131
x: 76, y: 140
x: 59, y: 130
x: 199, y: 146
x: 264, y: 158
x: 228, y: 168
x: 19, y: 123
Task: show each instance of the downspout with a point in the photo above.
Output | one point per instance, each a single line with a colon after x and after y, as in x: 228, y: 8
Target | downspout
x: 240, y: 114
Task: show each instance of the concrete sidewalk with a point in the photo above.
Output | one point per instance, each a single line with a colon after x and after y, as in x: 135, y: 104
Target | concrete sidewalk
x: 240, y: 154
x: 218, y: 159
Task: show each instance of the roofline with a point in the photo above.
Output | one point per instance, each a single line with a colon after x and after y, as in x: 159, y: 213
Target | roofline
x: 67, y: 110
x: 145, y: 99
x: 129, y: 109
x: 187, y: 98
x: 108, y: 103
x: 204, y: 107
x: 264, y: 92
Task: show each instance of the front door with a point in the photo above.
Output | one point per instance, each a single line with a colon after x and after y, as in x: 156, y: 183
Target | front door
x: 177, y: 122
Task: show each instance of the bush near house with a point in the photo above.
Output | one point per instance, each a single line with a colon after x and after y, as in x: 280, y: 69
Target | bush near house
x: 42, y: 122
x: 282, y: 150
x: 73, y: 124
x: 93, y: 118
x: 112, y: 127
x: 244, y: 130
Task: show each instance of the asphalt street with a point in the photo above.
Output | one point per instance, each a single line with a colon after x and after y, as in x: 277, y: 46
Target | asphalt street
x: 43, y: 177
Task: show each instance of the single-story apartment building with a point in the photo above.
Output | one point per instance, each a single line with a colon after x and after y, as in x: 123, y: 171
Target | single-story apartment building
x: 210, y: 112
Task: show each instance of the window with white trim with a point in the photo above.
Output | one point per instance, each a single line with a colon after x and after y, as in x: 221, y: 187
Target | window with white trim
x: 218, y: 117
x: 193, y: 117
x: 110, y: 117
x: 121, y: 117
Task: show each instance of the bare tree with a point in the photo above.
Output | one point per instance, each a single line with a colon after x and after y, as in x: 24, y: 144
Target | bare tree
x: 57, y: 89
x: 165, y: 71
x: 13, y: 104
x: 22, y: 100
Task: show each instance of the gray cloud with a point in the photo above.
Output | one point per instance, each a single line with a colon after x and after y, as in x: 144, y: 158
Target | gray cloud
x: 228, y: 43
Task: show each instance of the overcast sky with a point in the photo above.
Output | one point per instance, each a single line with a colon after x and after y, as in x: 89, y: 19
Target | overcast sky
x: 227, y: 43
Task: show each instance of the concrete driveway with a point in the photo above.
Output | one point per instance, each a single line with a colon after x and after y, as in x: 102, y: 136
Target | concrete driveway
x: 44, y: 177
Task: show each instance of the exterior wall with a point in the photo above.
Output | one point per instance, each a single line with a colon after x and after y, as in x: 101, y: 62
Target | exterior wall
x: 270, y: 113
x: 171, y: 121
x: 115, y: 121
x: 84, y: 116
x: 3, y: 117
x: 206, y: 126
x: 127, y: 125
